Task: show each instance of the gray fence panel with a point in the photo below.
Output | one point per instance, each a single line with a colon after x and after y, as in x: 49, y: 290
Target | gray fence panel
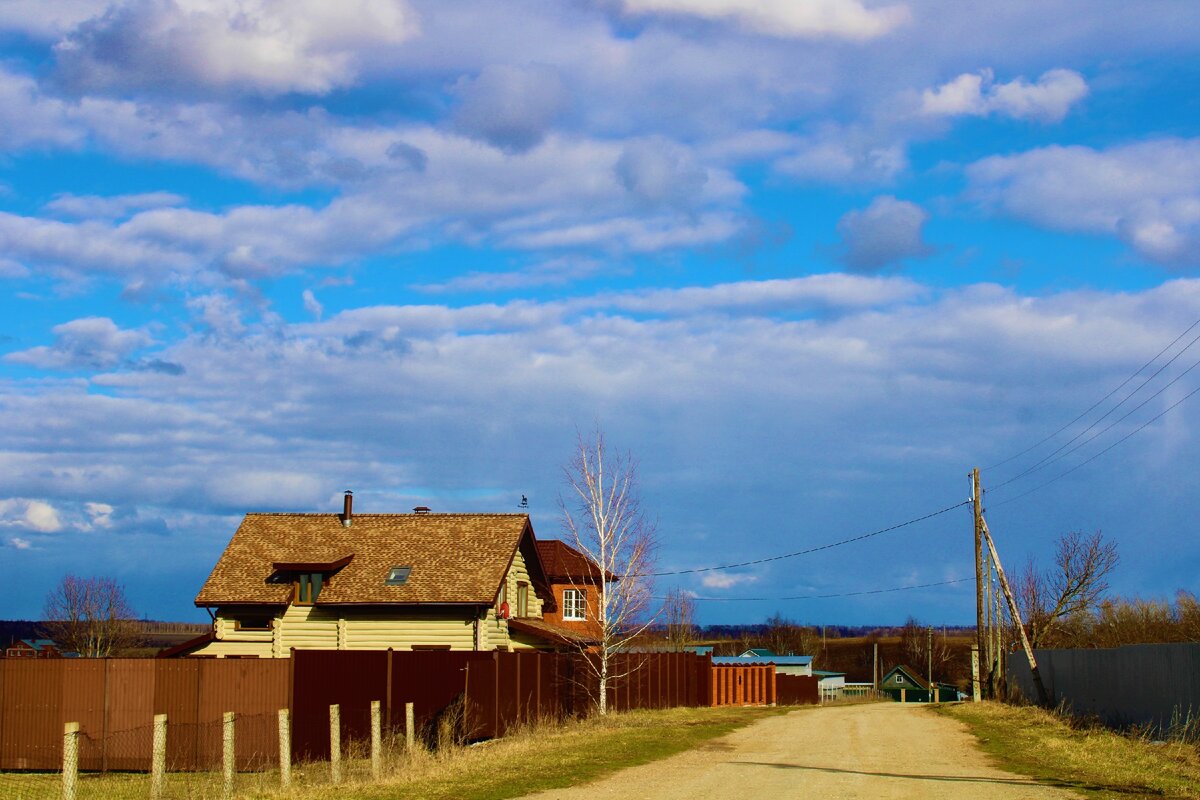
x: 1133, y: 685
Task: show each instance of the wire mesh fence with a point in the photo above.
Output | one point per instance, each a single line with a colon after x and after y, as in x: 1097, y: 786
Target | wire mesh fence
x: 117, y: 767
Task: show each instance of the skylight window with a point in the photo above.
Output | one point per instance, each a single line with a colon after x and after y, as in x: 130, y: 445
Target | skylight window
x: 397, y: 576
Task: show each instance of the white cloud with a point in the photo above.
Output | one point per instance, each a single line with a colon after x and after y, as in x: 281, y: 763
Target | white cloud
x: 883, y: 233
x: 48, y: 20
x: 112, y: 207
x: 99, y: 514
x: 848, y: 19
x: 312, y: 305
x: 511, y: 107
x: 726, y: 580
x: 87, y: 343
x: 17, y: 543
x: 269, y: 46
x: 844, y: 155
x: 33, y: 515
x: 1047, y: 100
x: 553, y: 272
x: 660, y: 172
x: 1147, y: 194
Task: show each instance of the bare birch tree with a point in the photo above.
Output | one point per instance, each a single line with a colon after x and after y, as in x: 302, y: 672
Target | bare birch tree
x: 678, y: 615
x: 90, y: 616
x: 603, y: 519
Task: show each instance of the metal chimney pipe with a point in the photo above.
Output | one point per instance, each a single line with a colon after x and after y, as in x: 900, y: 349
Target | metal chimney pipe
x: 348, y: 509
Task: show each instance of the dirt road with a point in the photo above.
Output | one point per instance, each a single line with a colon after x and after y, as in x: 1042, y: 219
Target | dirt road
x: 878, y: 750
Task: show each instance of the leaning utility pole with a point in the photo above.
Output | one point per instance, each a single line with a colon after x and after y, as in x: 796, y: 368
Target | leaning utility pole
x: 977, y: 506
x: 1043, y: 698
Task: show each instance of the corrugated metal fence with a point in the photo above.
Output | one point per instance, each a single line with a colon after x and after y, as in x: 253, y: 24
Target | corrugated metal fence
x: 115, y: 700
x: 485, y: 694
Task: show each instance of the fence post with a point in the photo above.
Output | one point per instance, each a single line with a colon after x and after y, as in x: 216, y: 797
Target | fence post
x: 335, y: 744
x: 376, y: 741
x: 158, y: 758
x: 70, y: 766
x: 228, y: 753
x: 903, y: 693
x: 285, y: 749
x: 410, y: 732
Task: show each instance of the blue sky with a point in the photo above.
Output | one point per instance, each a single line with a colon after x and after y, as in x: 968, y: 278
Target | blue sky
x: 809, y: 262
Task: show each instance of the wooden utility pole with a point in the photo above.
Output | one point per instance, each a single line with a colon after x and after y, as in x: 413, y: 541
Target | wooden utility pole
x: 1043, y: 698
x: 977, y: 507
x: 929, y: 659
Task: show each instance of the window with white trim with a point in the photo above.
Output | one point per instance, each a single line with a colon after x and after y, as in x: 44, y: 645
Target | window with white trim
x: 574, y: 604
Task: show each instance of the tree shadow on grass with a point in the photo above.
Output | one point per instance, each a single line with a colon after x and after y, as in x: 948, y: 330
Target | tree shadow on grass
x: 1055, y: 783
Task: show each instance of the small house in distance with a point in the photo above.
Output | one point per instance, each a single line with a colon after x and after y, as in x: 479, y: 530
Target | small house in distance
x: 905, y: 684
x: 419, y: 581
x: 34, y: 648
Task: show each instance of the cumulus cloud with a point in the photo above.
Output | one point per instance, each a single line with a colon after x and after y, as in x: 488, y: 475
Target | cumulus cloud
x: 884, y: 233
x: 112, y: 207
x: 848, y: 19
x: 726, y: 580
x: 18, y: 543
x: 510, y: 107
x: 839, y: 155
x: 976, y: 94
x: 87, y: 343
x: 312, y: 305
x: 1144, y: 193
x: 268, y: 46
x: 99, y: 514
x: 660, y: 172
x: 36, y: 516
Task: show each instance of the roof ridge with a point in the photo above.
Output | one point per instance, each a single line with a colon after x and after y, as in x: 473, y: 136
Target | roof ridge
x: 385, y: 514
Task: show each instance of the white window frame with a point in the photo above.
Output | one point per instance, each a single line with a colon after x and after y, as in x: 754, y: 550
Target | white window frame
x: 575, y: 600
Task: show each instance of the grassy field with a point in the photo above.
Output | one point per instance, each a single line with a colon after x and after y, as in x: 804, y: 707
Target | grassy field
x: 550, y: 756
x: 1092, y: 760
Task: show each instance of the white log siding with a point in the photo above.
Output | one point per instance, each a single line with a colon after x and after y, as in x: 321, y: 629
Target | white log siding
x: 402, y: 628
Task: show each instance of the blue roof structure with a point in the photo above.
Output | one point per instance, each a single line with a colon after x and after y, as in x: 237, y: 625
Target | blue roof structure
x: 779, y: 661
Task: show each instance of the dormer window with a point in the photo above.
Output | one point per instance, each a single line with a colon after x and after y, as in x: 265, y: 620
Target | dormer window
x: 899, y: 678
x: 397, y: 576
x: 308, y: 587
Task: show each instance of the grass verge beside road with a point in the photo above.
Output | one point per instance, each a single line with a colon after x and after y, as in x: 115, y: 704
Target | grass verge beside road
x: 557, y: 756
x: 1090, y: 759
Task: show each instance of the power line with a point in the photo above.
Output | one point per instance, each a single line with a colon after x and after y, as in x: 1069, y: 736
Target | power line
x: 1099, y: 402
x: 827, y: 596
x: 1044, y: 463
x: 1141, y: 427
x: 807, y: 551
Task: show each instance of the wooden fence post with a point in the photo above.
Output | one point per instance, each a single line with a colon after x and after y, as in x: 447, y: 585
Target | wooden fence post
x: 228, y: 753
x: 70, y: 765
x: 903, y: 695
x: 335, y: 744
x: 285, y: 749
x: 410, y: 732
x: 158, y: 758
x: 376, y: 741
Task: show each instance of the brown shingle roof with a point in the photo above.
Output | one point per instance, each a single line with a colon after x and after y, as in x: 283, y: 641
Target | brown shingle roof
x: 455, y: 558
x: 564, y: 564
x: 551, y: 632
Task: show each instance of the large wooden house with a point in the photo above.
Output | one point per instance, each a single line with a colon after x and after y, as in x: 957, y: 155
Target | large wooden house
x: 376, y: 581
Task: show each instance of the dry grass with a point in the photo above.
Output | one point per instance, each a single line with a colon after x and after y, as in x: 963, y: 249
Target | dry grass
x: 1076, y: 755
x: 550, y: 755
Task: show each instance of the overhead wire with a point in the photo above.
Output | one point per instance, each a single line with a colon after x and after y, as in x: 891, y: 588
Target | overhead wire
x: 806, y: 551
x: 1050, y: 457
x: 1099, y: 402
x: 1141, y: 427
x: 828, y: 596
x: 1109, y: 427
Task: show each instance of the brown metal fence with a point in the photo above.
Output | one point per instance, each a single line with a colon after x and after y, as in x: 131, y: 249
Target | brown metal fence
x: 797, y: 690
x: 115, y: 700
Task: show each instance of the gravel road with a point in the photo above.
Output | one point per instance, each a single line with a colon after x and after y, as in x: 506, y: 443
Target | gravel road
x: 876, y: 750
